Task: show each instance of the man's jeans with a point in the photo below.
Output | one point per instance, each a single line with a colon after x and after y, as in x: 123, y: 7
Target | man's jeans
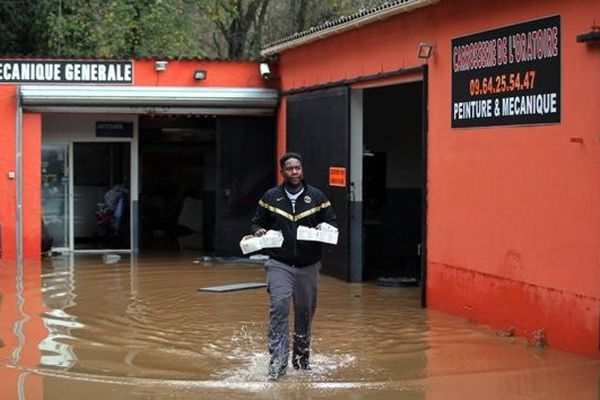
x: 285, y: 282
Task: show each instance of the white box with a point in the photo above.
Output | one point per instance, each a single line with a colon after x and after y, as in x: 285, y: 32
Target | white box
x: 250, y: 244
x: 327, y: 234
x: 271, y: 239
x: 306, y: 233
x: 328, y: 237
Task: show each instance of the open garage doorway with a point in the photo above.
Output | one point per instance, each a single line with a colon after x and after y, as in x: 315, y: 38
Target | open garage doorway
x: 200, y: 180
x: 378, y: 134
x: 177, y: 161
x: 393, y: 183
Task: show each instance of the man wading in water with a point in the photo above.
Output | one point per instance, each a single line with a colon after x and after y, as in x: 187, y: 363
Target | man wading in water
x: 293, y: 269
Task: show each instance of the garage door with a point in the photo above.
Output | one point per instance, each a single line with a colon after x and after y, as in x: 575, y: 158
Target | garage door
x: 318, y: 128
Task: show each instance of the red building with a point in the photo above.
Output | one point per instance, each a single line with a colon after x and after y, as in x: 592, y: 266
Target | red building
x: 457, y: 140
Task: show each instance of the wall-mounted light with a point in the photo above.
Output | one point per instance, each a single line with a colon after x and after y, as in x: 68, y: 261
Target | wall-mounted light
x: 591, y: 37
x: 200, y: 74
x: 425, y: 50
x: 160, y: 66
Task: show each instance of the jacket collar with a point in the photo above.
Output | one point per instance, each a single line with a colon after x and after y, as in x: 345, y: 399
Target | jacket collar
x: 282, y: 186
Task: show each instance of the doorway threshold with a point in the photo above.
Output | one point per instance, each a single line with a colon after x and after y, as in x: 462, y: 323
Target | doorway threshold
x: 102, y: 251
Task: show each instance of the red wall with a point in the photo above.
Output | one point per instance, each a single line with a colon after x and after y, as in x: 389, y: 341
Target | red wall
x: 513, y: 218
x: 32, y: 178
x: 31, y: 164
x: 219, y: 74
x: 7, y: 164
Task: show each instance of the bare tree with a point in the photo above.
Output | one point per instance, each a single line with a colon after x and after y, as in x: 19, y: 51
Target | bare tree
x: 241, y: 24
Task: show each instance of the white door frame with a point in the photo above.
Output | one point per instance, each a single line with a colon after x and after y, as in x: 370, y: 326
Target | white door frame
x: 133, y: 189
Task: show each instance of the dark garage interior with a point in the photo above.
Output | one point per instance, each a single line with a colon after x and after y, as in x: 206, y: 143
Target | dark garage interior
x: 393, y: 181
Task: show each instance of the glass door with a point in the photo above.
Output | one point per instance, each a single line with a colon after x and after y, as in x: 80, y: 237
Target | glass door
x: 101, y: 196
x: 55, y: 197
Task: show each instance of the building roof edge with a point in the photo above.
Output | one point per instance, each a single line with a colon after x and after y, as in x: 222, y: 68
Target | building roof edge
x: 343, y: 24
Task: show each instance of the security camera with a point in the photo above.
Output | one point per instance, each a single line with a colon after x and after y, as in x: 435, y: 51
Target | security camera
x: 265, y: 71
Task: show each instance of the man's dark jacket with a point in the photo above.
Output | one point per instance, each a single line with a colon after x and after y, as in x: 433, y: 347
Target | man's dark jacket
x: 275, y: 212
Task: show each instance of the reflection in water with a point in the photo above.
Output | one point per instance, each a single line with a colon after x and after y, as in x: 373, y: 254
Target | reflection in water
x: 18, y: 325
x: 141, y: 329
x: 58, y: 288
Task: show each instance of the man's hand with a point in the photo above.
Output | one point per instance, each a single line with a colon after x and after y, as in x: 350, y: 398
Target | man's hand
x: 260, y: 232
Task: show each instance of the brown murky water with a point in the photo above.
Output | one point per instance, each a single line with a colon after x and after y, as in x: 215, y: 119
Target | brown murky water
x: 80, y: 329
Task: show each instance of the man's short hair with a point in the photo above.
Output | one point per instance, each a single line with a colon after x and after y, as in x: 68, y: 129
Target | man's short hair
x: 287, y: 156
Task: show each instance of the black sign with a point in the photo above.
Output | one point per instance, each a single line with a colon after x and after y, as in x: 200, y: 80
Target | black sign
x: 66, y: 71
x: 507, y: 76
x: 114, y: 129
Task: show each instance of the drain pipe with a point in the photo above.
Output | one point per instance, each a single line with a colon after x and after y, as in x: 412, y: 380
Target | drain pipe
x: 19, y: 178
x: 18, y: 326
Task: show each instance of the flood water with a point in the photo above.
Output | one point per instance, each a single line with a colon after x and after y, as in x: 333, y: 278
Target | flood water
x: 75, y: 328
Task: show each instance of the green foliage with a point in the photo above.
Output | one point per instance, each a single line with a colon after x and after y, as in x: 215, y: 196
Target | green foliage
x: 123, y: 28
x: 91, y: 28
x: 234, y: 29
x: 169, y: 28
x: 22, y: 26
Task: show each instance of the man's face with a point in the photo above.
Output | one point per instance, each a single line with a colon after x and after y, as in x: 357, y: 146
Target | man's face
x: 292, y: 172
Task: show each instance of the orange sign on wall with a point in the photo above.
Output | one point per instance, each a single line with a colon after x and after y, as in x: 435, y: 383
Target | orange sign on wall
x: 337, y: 176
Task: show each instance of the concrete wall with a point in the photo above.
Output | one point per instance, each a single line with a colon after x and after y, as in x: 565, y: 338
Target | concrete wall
x: 513, y: 218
